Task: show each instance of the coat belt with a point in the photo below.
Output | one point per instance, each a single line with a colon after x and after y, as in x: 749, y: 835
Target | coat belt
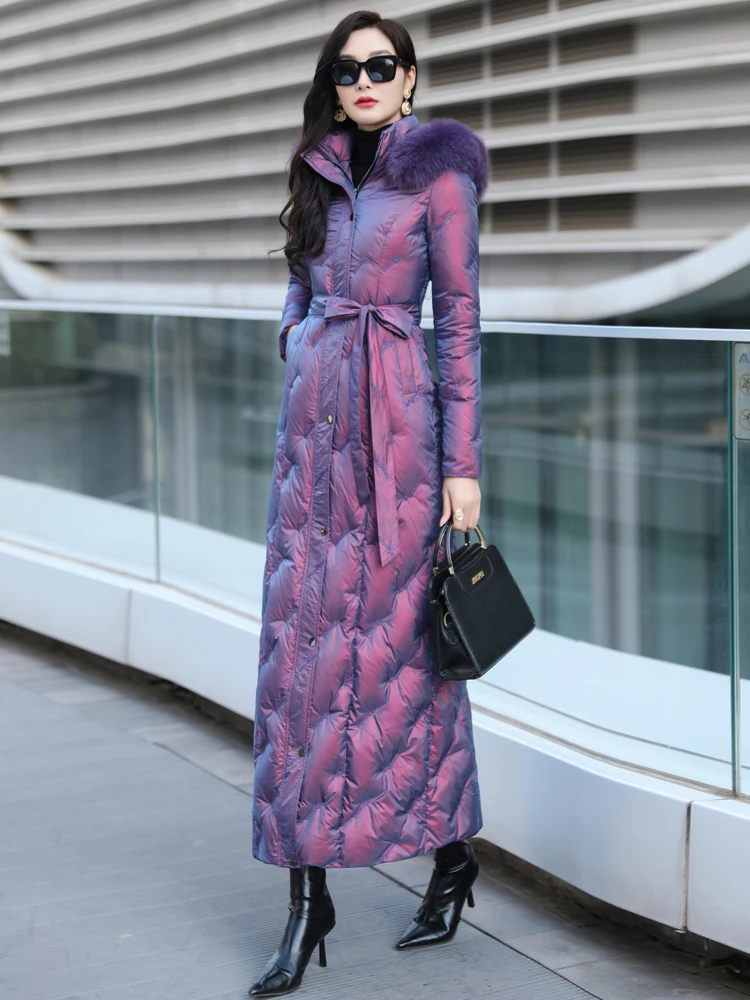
x: 377, y: 321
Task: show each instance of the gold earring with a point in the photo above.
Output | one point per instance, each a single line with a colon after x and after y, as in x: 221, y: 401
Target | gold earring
x: 406, y: 106
x: 339, y: 114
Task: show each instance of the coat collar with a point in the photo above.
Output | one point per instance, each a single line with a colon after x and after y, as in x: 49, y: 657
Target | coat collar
x: 411, y: 156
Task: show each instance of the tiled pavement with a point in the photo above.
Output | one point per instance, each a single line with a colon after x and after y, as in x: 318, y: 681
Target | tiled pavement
x: 126, y: 871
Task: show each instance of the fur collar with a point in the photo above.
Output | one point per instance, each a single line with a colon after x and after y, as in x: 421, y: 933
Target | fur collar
x: 418, y: 156
x: 415, y: 155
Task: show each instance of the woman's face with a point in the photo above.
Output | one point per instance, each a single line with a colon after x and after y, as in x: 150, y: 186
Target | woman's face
x: 385, y: 99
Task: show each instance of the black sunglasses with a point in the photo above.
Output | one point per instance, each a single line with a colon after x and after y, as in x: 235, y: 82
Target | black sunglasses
x: 380, y: 69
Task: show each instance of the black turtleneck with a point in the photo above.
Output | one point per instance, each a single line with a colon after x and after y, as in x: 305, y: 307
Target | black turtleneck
x: 364, y: 146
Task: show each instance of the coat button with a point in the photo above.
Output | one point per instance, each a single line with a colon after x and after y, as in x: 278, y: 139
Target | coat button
x: 324, y: 530
x: 351, y: 216
x: 302, y: 751
x: 311, y: 641
x: 329, y: 418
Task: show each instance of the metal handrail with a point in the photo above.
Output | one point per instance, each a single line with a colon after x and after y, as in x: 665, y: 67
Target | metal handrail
x: 488, y: 326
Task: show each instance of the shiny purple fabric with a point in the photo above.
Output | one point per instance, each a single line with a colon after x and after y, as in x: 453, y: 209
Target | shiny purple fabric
x: 362, y: 754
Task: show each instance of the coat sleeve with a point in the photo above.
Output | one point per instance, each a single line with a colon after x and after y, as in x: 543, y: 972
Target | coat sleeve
x: 453, y: 252
x: 298, y: 296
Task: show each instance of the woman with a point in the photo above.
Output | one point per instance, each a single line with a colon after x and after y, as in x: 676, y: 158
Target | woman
x: 362, y: 755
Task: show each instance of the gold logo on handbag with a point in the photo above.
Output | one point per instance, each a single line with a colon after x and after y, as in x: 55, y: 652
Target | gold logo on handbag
x: 477, y: 610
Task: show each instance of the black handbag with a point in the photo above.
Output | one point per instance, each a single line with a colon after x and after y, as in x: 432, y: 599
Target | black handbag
x: 477, y: 610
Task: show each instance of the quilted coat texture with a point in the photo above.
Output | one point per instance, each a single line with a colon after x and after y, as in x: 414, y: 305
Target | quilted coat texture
x: 362, y: 754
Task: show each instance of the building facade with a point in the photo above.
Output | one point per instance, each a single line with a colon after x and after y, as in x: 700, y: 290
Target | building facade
x: 144, y: 143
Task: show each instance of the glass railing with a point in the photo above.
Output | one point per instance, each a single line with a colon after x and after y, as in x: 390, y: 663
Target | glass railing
x: 606, y: 488
x: 615, y: 462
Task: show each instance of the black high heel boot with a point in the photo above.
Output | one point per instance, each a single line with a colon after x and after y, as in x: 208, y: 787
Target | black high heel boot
x: 312, y: 916
x: 455, y: 871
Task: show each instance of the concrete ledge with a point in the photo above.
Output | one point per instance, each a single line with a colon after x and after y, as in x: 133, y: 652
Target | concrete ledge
x: 202, y: 646
x: 719, y: 883
x: 81, y: 605
x: 613, y: 833
x: 665, y: 851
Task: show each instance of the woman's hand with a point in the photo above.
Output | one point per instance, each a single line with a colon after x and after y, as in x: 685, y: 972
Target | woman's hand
x: 461, y: 493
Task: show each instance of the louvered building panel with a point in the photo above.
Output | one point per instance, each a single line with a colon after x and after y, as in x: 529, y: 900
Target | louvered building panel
x: 513, y: 10
x: 614, y: 97
x: 526, y: 109
x: 455, y: 69
x: 521, y: 163
x: 447, y: 22
x: 565, y: 4
x: 605, y: 153
x: 520, y: 58
x: 598, y: 43
x: 607, y: 211
x: 144, y: 143
x: 470, y: 113
x: 521, y: 217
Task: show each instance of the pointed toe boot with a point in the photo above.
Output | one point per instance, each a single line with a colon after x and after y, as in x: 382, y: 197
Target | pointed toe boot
x: 311, y: 917
x: 437, y: 918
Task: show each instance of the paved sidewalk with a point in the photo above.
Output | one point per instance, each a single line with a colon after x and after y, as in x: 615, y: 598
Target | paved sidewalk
x: 126, y: 871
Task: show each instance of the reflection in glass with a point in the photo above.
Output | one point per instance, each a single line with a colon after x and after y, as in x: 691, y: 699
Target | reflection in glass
x: 605, y: 487
x: 76, y: 416
x: 605, y: 483
x: 219, y: 385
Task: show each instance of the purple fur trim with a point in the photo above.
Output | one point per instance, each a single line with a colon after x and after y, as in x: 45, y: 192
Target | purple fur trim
x: 416, y: 158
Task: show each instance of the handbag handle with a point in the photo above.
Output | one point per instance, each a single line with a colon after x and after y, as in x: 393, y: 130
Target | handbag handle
x: 448, y: 543
x: 439, y: 542
x: 449, y: 534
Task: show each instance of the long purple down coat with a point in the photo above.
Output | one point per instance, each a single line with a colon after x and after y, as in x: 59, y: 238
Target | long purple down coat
x: 362, y: 754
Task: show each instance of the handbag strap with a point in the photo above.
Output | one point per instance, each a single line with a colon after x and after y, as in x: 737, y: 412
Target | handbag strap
x: 446, y: 527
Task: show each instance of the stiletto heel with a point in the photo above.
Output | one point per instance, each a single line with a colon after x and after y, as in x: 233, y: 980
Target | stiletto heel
x: 450, y: 887
x: 311, y: 917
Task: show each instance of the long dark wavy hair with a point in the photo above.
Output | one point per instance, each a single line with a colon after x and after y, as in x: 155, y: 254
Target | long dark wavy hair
x: 310, y: 193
